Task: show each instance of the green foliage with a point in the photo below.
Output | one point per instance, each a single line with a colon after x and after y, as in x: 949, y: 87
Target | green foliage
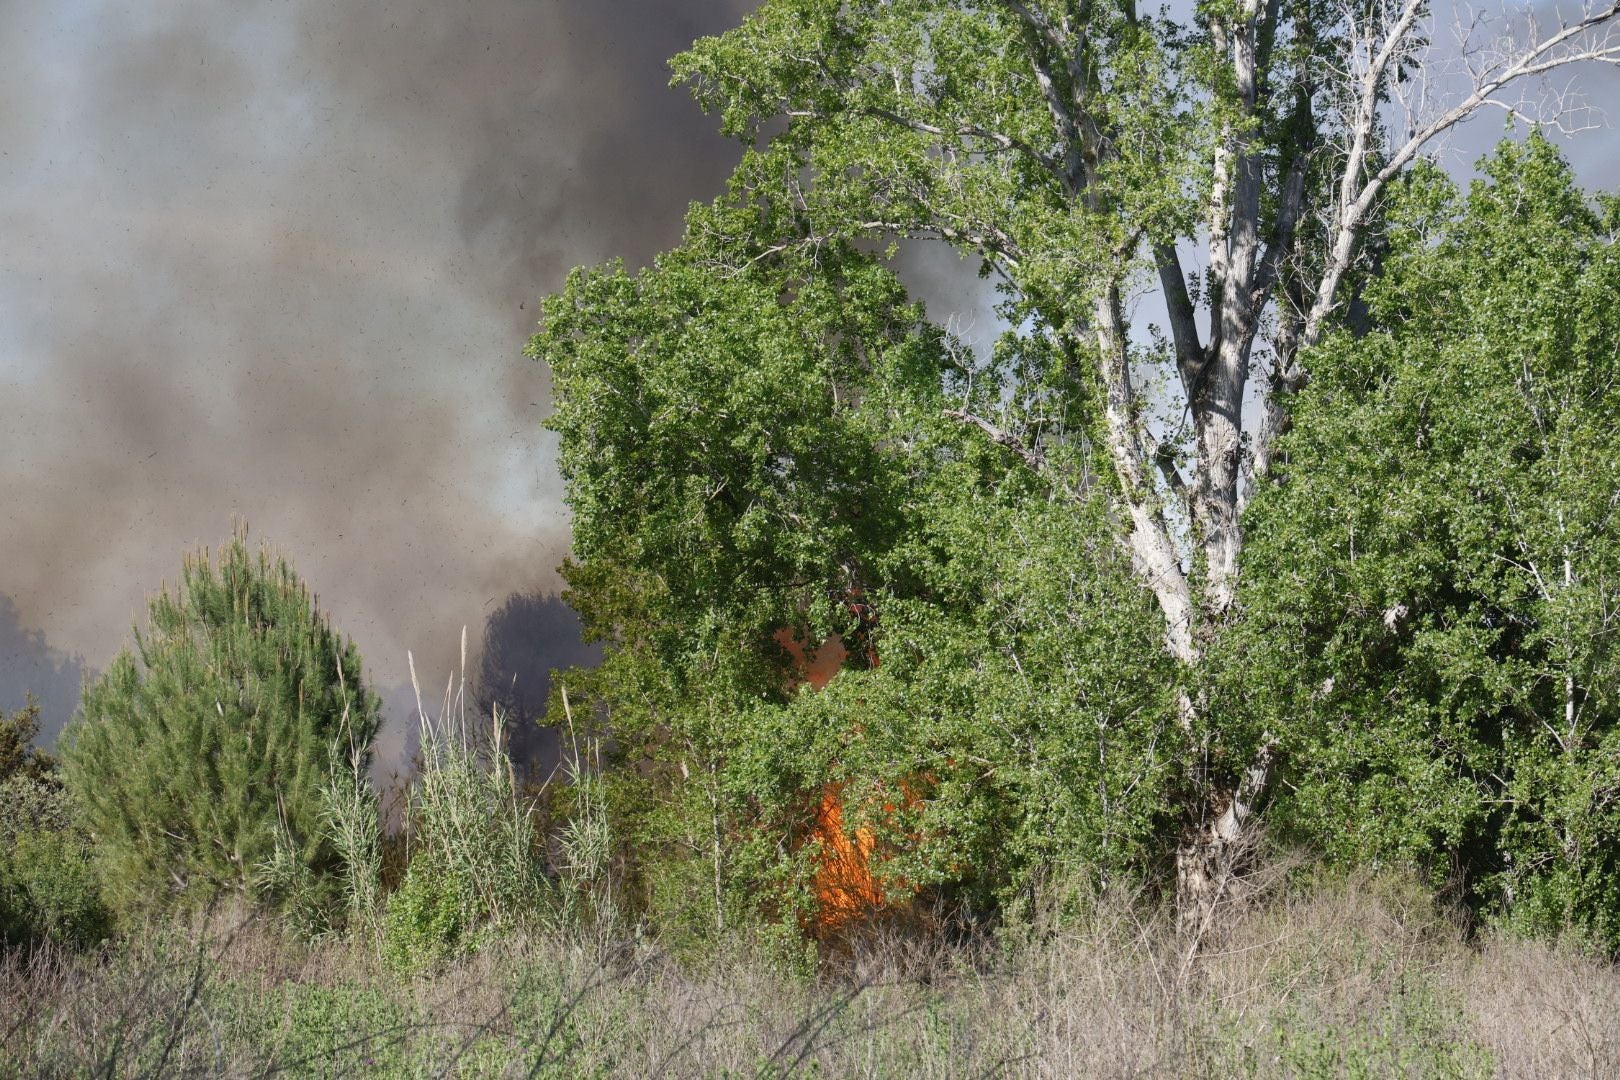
x: 927, y: 117
x: 1432, y: 592
x: 755, y: 440
x: 352, y: 815
x: 427, y: 916
x: 204, y: 755
x: 18, y: 754
x: 473, y: 860
x: 48, y: 887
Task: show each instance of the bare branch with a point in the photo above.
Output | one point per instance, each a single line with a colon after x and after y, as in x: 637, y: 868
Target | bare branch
x: 1031, y: 456
x: 1164, y: 458
x: 1290, y: 204
x: 973, y: 131
x: 1183, y: 322
x: 1572, y: 43
x: 1037, y: 22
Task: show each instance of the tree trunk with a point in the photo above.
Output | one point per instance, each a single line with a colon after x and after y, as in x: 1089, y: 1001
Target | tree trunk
x: 1215, y: 854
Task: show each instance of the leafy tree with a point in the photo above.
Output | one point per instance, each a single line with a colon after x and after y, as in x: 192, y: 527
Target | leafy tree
x: 18, y: 754
x: 1432, y: 600
x: 1081, y: 151
x: 48, y: 887
x: 755, y: 438
x: 207, y: 750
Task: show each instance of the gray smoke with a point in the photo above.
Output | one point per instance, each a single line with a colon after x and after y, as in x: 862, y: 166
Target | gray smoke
x: 277, y: 260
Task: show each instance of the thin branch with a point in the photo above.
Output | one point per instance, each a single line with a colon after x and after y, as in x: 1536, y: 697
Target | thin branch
x: 1037, y: 22
x: 1540, y: 58
x: 1031, y: 456
x: 971, y: 131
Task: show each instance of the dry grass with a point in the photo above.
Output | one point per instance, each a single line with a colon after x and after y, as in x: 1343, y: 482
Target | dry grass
x: 1544, y: 1010
x: 1358, y: 977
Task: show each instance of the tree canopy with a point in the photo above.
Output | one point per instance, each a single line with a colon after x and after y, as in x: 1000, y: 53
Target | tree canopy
x: 1432, y: 597
x: 760, y: 432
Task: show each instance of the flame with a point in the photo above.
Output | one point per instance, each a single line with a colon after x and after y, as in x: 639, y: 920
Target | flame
x: 846, y: 889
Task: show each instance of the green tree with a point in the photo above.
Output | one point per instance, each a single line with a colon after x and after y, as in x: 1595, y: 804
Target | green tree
x: 47, y: 885
x: 1432, y: 600
x: 1084, y: 153
x: 207, y: 750
x: 18, y: 754
x: 755, y: 438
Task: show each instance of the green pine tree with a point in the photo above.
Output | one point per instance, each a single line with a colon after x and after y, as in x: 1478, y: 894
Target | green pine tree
x: 201, y: 756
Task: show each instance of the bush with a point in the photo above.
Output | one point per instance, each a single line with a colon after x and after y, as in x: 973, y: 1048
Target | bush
x: 426, y: 916
x: 205, y: 755
x: 48, y: 890
x: 473, y: 858
x: 18, y: 754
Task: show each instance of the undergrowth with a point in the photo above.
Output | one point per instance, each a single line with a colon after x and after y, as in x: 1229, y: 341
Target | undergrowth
x: 1347, y: 977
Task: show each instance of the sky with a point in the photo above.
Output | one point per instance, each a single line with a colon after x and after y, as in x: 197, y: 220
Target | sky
x: 276, y: 260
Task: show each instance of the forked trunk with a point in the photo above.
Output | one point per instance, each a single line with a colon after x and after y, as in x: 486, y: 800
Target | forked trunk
x: 1216, y: 853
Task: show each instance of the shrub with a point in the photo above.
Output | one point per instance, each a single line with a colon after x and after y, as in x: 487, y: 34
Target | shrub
x: 427, y: 916
x: 18, y: 754
x: 48, y: 890
x: 204, y: 756
x: 473, y: 861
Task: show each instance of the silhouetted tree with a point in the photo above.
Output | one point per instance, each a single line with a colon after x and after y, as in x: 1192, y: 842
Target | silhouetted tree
x: 528, y: 637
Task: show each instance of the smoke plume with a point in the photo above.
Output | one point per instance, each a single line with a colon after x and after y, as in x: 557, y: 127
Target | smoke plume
x: 277, y: 260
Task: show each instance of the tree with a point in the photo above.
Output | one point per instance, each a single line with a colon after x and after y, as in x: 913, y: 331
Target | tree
x: 755, y: 440
x: 525, y: 639
x: 1431, y: 602
x: 47, y: 887
x: 18, y: 754
x: 209, y: 748
x: 1079, y: 150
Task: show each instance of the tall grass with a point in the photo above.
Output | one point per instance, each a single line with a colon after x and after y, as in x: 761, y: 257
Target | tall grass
x: 1347, y: 977
x: 350, y: 817
x: 466, y: 817
x: 488, y: 965
x: 473, y: 863
x: 586, y: 840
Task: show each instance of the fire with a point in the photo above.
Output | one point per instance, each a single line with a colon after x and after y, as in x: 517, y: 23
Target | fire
x: 846, y: 889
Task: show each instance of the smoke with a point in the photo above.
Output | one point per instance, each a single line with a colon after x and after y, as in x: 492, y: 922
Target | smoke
x: 527, y: 638
x: 277, y: 260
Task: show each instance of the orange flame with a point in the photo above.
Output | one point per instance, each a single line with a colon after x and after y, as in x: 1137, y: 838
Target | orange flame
x: 846, y: 889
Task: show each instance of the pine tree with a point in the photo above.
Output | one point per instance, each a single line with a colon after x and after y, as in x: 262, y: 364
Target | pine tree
x: 204, y: 752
